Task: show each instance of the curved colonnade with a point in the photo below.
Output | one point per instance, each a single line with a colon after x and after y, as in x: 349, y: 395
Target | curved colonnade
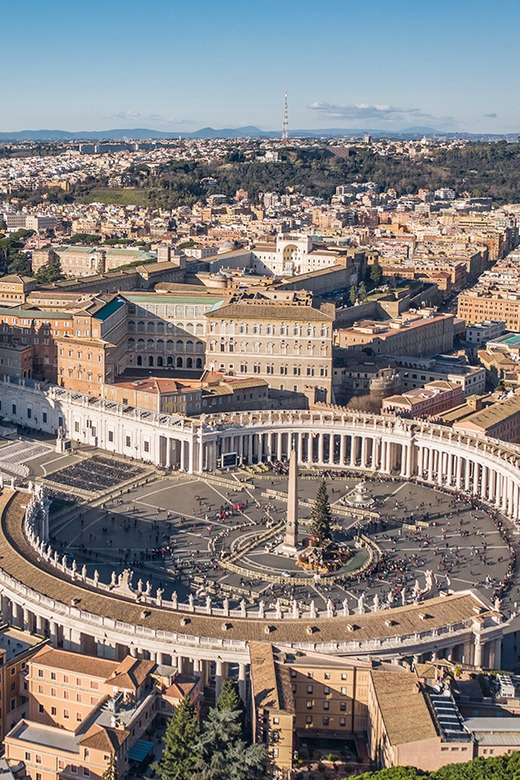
x: 79, y: 615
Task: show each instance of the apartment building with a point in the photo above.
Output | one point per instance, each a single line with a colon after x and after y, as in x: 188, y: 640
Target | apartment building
x: 79, y: 261
x: 297, y: 698
x: 81, y: 711
x: 16, y: 650
x: 500, y: 421
x: 427, y: 401
x: 416, y: 335
x: 415, y: 372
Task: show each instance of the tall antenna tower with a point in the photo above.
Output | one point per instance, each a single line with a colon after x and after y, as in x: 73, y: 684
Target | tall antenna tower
x: 285, y: 125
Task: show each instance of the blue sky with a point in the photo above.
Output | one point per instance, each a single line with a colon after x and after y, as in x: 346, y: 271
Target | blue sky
x: 163, y: 64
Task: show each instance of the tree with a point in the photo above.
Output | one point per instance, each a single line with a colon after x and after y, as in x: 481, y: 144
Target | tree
x: 49, y: 273
x: 223, y: 754
x: 362, y: 291
x: 320, y: 515
x: 376, y: 274
x: 110, y: 772
x: 179, y: 757
x: 353, y: 294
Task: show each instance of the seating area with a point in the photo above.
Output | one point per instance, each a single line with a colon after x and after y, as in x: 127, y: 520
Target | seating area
x: 14, y: 456
x: 96, y: 473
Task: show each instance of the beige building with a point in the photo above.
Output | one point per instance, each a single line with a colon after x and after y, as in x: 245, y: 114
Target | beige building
x: 285, y: 339
x: 500, y: 420
x: 297, y: 698
x: 416, y: 335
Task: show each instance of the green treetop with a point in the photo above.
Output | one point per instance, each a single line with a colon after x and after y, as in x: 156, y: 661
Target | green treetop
x: 376, y: 274
x: 178, y: 759
x: 223, y: 754
x: 320, y: 515
x: 110, y: 772
x: 353, y: 294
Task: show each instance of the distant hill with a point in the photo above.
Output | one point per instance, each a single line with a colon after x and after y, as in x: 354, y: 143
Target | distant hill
x: 250, y: 131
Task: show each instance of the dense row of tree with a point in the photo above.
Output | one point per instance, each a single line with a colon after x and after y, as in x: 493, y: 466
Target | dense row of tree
x: 478, y: 169
x: 495, y: 768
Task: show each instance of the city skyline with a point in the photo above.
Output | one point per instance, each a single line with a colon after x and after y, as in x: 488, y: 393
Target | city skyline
x: 180, y: 69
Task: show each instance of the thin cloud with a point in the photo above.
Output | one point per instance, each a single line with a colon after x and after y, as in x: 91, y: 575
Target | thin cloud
x: 154, y: 119
x: 491, y: 116
x: 368, y: 112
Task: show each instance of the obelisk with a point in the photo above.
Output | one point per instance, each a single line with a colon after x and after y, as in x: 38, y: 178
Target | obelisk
x: 291, y: 530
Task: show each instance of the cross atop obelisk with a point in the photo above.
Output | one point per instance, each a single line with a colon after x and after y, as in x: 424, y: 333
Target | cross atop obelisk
x: 291, y: 530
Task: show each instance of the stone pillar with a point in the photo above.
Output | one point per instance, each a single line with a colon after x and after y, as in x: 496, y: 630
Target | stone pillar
x: 342, y: 449
x: 498, y: 653
x: 242, y: 681
x: 39, y: 625
x: 182, y: 462
x: 5, y: 610
x: 467, y: 476
x: 477, y: 652
x: 300, y: 436
x: 321, y: 446
x: 219, y: 671
x: 458, y: 482
x: 26, y: 619
x: 53, y: 627
x: 467, y: 657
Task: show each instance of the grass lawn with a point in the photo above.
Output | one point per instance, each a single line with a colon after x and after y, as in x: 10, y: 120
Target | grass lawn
x: 127, y: 196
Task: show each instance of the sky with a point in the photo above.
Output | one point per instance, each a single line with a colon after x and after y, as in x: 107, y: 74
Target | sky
x: 170, y: 65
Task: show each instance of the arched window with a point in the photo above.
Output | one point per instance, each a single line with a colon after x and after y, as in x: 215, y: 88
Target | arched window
x: 150, y: 327
x: 257, y: 329
x: 310, y: 330
x: 310, y: 370
x: 149, y: 345
x: 269, y: 348
x: 160, y: 327
x: 160, y: 361
x: 256, y: 347
x: 169, y: 360
x: 189, y: 327
x: 179, y: 362
x: 189, y: 346
x: 199, y: 329
x: 189, y: 362
x: 140, y: 345
x: 141, y: 326
x: 310, y: 348
x: 269, y: 330
x: 199, y: 347
x: 324, y: 331
x: 179, y: 346
x: 160, y: 345
x: 243, y: 328
x: 131, y: 344
x: 139, y: 360
x: 131, y: 326
x: 198, y: 363
x: 169, y: 345
x: 150, y: 360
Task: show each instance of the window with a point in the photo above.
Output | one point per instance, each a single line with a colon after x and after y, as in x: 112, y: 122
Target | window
x: 27, y: 756
x: 73, y: 769
x: 343, y: 691
x: 343, y: 675
x: 325, y: 720
x: 94, y: 685
x: 53, y: 676
x: 326, y: 705
x: 310, y: 688
x: 53, y: 711
x: 38, y: 758
x: 40, y: 672
x: 276, y: 721
x: 343, y: 706
x: 40, y: 688
x: 66, y: 714
x: 308, y: 720
x: 41, y: 708
x: 127, y: 444
x: 342, y: 721
x: 309, y: 705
